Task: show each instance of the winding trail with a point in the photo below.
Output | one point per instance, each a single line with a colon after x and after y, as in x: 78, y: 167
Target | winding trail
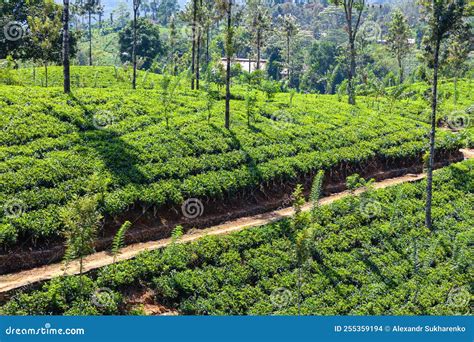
x: 10, y: 282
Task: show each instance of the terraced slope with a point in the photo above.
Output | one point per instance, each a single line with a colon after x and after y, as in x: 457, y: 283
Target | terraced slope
x: 367, y: 255
x: 123, y: 147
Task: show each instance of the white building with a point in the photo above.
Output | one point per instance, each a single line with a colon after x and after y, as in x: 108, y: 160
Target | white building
x: 247, y: 64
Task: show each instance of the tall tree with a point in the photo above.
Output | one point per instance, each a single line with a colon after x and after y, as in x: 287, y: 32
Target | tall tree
x: 209, y: 16
x: 290, y: 28
x: 45, y: 23
x: 66, y: 68
x: 165, y: 10
x: 459, y: 47
x: 90, y: 7
x: 194, y: 40
x: 172, y: 45
x: 225, y: 7
x: 200, y: 18
x: 149, y: 44
x: 258, y: 20
x: 153, y: 9
x: 398, y: 35
x: 353, y: 10
x: 444, y: 18
x: 100, y: 13
x: 16, y: 12
x: 136, y: 7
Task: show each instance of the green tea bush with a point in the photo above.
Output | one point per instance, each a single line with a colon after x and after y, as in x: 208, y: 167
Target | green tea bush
x: 378, y: 262
x: 53, y: 146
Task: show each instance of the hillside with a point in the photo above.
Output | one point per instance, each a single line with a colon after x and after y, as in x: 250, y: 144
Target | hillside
x: 109, y: 141
x: 344, y: 259
x: 291, y: 170
x: 116, y: 142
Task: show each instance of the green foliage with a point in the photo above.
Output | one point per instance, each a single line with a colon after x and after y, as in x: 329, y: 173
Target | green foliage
x: 355, y: 182
x: 119, y: 239
x: 298, y: 199
x: 114, y: 144
x: 177, y: 233
x: 351, y: 265
x: 164, y: 10
x: 444, y: 18
x: 149, y: 44
x: 270, y: 88
x: 250, y: 105
x: 398, y: 35
x: 316, y: 193
x: 36, y: 30
x: 426, y: 159
x: 169, y: 85
x: 45, y: 31
x: 292, y: 96
x: 324, y: 72
x: 304, y: 245
x: 81, y: 221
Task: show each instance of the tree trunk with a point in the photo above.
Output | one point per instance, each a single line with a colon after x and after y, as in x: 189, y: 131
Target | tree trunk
x: 259, y: 39
x: 400, y: 68
x: 193, y: 53
x: 199, y: 44
x: 134, y: 50
x: 198, y: 59
x: 352, y: 71
x: 90, y: 39
x: 288, y: 58
x: 227, y: 77
x: 66, y: 69
x: 434, y: 104
x: 208, y: 40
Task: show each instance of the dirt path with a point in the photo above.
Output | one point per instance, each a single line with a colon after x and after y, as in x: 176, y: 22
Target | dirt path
x: 468, y: 153
x: 94, y: 261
